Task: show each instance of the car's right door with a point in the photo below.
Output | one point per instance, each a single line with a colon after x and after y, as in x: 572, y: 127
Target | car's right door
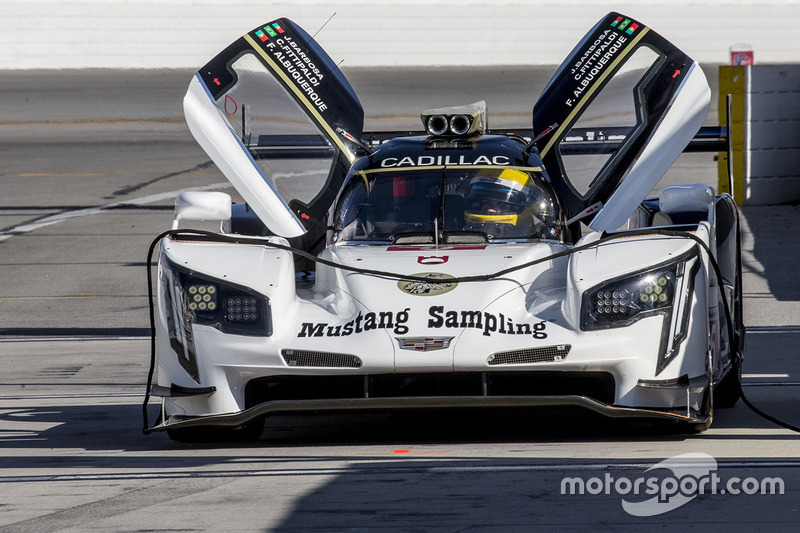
x: 635, y: 100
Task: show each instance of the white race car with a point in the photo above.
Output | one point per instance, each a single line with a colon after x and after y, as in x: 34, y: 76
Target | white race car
x: 454, y: 267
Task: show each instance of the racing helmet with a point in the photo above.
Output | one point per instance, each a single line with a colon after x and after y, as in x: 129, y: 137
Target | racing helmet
x: 507, y: 197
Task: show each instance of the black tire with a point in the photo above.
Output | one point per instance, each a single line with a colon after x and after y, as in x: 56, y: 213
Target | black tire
x: 250, y: 432
x: 729, y: 390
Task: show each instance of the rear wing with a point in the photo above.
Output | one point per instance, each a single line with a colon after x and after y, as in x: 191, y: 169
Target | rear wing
x: 580, y: 141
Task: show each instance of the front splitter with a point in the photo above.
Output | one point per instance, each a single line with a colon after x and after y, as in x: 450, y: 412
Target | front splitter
x: 239, y: 419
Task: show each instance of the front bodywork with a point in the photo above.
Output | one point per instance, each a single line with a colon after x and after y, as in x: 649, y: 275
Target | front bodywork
x: 520, y: 336
x: 443, y: 307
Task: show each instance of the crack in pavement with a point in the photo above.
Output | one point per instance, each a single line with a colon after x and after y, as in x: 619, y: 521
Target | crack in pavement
x: 139, y: 186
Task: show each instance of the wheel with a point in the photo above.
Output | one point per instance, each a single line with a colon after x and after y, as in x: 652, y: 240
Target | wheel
x: 249, y: 432
x: 729, y: 390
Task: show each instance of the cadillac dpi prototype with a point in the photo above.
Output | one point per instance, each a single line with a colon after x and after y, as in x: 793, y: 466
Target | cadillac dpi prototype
x: 453, y: 267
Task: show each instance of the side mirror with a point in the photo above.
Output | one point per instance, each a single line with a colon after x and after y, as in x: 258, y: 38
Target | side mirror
x: 683, y: 198
x: 201, y: 205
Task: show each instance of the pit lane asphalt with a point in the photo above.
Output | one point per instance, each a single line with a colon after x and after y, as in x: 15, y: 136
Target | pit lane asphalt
x: 89, y: 166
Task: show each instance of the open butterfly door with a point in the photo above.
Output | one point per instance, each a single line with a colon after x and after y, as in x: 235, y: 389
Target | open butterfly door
x: 635, y: 100
x: 275, y: 114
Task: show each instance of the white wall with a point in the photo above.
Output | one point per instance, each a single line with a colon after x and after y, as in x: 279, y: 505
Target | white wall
x: 185, y: 33
x: 771, y: 134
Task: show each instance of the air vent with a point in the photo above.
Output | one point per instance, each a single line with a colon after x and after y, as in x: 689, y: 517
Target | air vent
x: 546, y: 354
x: 458, y: 121
x: 320, y: 359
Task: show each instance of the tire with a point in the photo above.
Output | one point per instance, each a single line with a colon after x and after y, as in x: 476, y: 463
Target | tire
x: 729, y: 390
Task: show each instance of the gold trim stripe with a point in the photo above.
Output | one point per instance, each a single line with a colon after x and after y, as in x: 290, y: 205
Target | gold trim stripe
x: 585, y: 99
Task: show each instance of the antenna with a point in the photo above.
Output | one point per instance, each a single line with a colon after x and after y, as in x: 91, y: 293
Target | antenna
x: 326, y: 23
x: 313, y: 37
x: 336, y: 67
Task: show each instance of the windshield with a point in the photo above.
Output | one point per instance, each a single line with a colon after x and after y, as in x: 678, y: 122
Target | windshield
x: 448, y: 205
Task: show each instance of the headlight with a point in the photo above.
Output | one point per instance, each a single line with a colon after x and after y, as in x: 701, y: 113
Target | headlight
x: 191, y: 298
x: 623, y: 301
x: 665, y: 290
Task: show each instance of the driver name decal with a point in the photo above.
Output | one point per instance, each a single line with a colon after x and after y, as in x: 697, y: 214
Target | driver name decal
x: 594, y: 61
x: 298, y: 66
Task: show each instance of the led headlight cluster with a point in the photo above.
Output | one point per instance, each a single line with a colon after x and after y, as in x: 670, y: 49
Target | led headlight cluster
x: 227, y: 308
x: 222, y: 305
x: 202, y: 297
x: 190, y: 298
x: 657, y: 291
x: 623, y: 301
x: 241, y: 309
x: 646, y: 293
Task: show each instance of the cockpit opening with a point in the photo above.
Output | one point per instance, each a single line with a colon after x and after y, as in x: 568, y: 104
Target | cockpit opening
x: 449, y: 205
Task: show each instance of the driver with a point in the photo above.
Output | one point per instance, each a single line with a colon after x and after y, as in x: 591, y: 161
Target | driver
x: 509, y: 200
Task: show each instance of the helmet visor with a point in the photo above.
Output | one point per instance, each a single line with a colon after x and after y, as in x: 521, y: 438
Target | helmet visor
x: 493, y: 198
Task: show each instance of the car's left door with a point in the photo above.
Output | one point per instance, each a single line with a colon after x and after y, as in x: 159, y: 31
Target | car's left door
x: 279, y: 119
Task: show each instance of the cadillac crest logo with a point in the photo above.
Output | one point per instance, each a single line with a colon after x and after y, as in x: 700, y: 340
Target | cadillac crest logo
x: 423, y: 344
x: 425, y: 288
